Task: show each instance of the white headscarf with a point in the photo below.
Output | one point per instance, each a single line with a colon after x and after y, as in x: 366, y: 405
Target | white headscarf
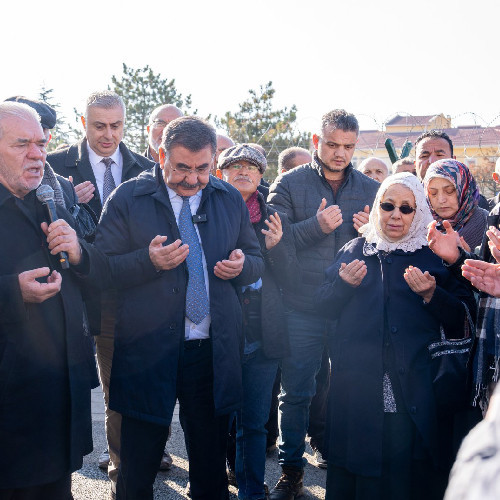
x: 417, y: 235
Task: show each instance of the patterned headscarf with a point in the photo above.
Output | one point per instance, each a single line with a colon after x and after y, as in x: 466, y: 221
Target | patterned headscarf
x: 417, y: 234
x: 467, y: 191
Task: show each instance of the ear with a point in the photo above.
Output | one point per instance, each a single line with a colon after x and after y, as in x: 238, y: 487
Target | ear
x: 496, y: 177
x: 82, y: 118
x: 218, y: 173
x: 315, y: 141
x: 162, y: 156
x: 147, y: 128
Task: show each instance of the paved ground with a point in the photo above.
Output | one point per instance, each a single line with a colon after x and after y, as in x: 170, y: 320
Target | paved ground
x: 90, y: 483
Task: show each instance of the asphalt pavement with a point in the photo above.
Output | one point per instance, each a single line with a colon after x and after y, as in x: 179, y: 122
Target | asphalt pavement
x: 91, y: 483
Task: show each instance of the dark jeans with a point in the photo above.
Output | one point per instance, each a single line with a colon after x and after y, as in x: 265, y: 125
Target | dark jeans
x: 205, y: 434
x: 58, y: 490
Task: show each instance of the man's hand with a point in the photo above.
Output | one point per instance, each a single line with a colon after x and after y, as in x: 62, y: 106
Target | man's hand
x: 61, y: 237
x: 274, y: 233
x: 484, y: 276
x: 229, y: 269
x: 329, y: 218
x: 361, y: 218
x: 494, y: 236
x: 423, y: 284
x: 35, y: 292
x: 353, y: 273
x: 444, y: 245
x: 84, y: 191
x: 169, y: 256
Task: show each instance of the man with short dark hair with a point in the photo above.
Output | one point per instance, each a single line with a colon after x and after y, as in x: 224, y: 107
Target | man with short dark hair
x: 179, y: 240
x: 326, y: 201
x: 429, y: 147
x: 47, y: 365
x: 159, y: 118
x: 292, y: 157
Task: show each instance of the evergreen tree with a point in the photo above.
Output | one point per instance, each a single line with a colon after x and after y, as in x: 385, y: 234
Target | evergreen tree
x: 143, y: 90
x: 257, y: 121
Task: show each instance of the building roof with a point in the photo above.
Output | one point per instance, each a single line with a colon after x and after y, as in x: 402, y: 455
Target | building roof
x: 464, y: 136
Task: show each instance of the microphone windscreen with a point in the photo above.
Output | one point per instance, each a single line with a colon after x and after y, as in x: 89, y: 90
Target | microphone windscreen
x: 44, y: 193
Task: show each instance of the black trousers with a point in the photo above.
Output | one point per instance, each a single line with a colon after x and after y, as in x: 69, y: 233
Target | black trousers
x: 205, y: 434
x: 58, y: 490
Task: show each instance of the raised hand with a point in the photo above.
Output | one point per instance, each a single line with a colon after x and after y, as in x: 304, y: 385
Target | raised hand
x: 35, y: 292
x: 361, y: 218
x: 485, y: 276
x: 274, y: 232
x: 329, y: 218
x: 444, y: 245
x: 232, y: 267
x: 423, y: 284
x: 353, y: 273
x: 169, y: 256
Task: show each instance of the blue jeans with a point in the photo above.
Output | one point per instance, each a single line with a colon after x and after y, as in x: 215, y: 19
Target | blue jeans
x: 308, y: 335
x: 259, y: 373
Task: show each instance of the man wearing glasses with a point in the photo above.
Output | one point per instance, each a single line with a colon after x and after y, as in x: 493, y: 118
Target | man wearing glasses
x: 179, y: 241
x: 158, y: 120
x: 326, y: 201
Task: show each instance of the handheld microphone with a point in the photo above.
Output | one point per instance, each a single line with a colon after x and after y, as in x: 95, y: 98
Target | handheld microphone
x: 45, y: 195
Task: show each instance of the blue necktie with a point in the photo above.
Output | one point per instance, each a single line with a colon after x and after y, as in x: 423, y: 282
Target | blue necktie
x: 197, y: 306
x: 109, y: 183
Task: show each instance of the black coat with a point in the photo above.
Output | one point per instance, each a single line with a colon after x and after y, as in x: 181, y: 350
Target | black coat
x: 281, y: 270
x: 74, y: 161
x: 47, y: 365
x: 149, y: 331
x: 356, y: 412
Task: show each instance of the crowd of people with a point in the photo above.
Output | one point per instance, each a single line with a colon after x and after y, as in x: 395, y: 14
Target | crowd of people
x: 268, y: 312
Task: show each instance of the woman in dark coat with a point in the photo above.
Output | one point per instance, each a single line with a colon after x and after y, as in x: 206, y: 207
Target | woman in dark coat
x: 453, y: 195
x: 264, y: 326
x: 387, y: 435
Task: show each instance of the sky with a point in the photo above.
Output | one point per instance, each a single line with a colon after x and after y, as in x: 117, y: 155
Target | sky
x: 372, y: 58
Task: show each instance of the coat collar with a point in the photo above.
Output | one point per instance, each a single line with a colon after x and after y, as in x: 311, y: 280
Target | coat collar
x: 151, y: 183
x: 318, y: 165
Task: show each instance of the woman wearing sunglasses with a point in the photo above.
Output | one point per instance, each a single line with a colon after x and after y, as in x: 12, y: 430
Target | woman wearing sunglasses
x: 453, y: 195
x: 387, y: 436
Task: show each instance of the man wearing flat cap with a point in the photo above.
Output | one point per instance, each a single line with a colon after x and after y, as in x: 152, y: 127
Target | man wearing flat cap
x: 264, y: 326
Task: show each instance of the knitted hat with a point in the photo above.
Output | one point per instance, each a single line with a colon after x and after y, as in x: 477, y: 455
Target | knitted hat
x: 240, y: 152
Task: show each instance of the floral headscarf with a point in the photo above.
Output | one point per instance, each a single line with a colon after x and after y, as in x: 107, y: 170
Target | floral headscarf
x: 467, y: 191
x: 417, y: 234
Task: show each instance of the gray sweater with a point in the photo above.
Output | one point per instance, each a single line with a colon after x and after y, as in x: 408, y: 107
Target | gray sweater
x: 298, y: 193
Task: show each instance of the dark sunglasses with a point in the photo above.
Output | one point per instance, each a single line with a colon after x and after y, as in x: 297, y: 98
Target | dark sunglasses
x: 386, y: 206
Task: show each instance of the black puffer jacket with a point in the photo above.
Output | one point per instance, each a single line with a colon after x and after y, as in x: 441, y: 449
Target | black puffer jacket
x: 298, y: 193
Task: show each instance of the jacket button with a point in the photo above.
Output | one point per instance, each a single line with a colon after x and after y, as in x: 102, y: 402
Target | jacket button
x: 394, y: 329
x: 389, y: 260
x: 172, y: 326
x: 413, y: 410
x: 176, y: 290
x: 401, y: 371
x: 246, y: 301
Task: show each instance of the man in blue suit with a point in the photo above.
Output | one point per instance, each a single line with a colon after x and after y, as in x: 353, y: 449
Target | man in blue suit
x: 179, y: 241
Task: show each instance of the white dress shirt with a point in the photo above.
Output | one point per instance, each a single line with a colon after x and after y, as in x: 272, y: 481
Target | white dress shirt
x: 99, y: 168
x: 192, y: 331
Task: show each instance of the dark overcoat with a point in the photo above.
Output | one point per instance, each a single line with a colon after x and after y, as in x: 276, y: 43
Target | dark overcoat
x: 281, y: 269
x: 74, y: 161
x: 47, y: 366
x: 149, y: 330
x: 356, y: 411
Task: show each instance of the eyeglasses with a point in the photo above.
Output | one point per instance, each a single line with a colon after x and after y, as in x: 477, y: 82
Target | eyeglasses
x: 250, y: 168
x: 387, y: 206
x: 159, y: 123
